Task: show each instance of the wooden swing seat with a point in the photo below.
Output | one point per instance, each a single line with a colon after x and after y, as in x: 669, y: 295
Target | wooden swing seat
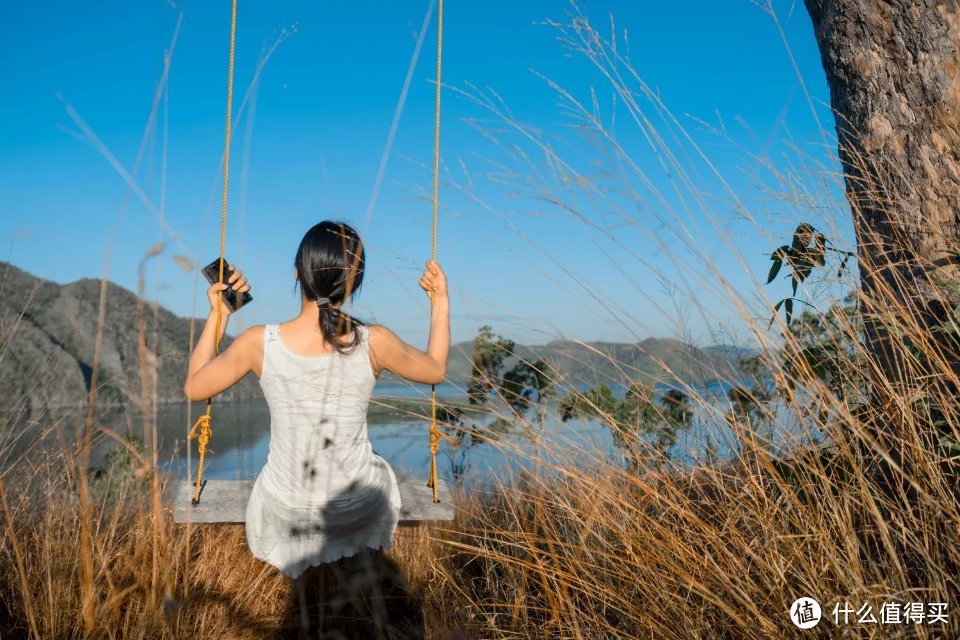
x: 225, y: 501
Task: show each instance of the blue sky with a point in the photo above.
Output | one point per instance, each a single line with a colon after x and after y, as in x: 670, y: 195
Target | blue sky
x: 525, y: 247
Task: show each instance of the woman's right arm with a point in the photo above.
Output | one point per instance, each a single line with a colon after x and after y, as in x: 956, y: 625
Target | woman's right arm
x: 389, y: 352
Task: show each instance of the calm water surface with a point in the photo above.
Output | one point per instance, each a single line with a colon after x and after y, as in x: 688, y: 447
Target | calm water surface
x: 241, y: 436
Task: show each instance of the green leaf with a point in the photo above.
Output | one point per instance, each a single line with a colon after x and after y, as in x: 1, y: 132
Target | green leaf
x: 843, y: 264
x: 802, y: 235
x: 948, y: 444
x: 897, y: 331
x: 953, y: 285
x: 788, y: 307
x: 948, y: 327
x: 776, y: 309
x: 820, y: 250
x: 774, y: 270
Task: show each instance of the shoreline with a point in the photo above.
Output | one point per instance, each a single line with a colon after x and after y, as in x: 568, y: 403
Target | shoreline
x: 381, y: 405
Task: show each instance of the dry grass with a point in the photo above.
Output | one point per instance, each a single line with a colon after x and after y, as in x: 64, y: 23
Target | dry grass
x: 581, y: 553
x: 203, y: 582
x: 719, y: 554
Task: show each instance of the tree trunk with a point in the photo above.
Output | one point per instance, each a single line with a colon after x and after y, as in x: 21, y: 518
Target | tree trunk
x: 893, y: 68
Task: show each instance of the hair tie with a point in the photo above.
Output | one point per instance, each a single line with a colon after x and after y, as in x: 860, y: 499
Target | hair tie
x: 321, y: 302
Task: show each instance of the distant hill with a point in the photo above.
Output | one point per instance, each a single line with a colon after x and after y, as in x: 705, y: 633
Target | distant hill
x: 48, y: 331
x: 589, y: 363
x: 47, y: 337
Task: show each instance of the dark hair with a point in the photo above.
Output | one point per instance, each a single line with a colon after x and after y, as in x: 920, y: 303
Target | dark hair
x: 329, y: 264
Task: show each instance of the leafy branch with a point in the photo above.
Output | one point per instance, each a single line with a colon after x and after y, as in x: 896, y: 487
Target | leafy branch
x: 808, y: 249
x: 638, y: 414
x: 519, y: 386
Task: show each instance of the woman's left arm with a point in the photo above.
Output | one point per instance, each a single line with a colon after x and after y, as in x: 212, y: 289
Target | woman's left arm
x: 209, y: 374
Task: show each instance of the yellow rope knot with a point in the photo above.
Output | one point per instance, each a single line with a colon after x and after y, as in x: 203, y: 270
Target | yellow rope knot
x: 435, y: 435
x: 200, y: 432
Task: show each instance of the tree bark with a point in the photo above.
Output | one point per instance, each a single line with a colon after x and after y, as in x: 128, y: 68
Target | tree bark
x: 893, y: 68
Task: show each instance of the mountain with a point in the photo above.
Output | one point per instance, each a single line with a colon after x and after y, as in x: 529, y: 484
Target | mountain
x: 47, y: 338
x: 589, y: 363
x: 615, y: 363
x: 48, y: 333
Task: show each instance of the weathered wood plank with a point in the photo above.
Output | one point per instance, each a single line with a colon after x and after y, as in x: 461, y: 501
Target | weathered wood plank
x: 226, y: 501
x: 416, y: 502
x: 221, y: 501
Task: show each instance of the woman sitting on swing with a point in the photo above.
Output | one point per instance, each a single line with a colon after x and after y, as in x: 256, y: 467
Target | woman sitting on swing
x: 323, y: 493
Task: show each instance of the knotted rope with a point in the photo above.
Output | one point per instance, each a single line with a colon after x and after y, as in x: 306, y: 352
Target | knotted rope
x: 201, y: 431
x: 435, y: 433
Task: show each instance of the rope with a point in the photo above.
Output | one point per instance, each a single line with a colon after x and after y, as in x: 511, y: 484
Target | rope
x: 201, y: 431
x: 435, y: 433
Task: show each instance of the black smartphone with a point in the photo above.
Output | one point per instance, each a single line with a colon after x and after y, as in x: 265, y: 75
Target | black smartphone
x: 212, y: 273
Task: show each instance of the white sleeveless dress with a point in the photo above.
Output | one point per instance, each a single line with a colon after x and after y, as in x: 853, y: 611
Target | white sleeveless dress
x: 323, y: 493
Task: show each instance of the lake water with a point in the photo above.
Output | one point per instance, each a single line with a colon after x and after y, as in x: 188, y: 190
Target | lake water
x: 241, y: 435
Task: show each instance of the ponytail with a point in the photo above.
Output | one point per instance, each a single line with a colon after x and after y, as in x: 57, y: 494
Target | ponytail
x: 335, y: 325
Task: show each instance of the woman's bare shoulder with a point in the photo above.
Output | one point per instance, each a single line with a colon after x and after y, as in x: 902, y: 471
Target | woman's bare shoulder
x: 251, y: 339
x: 380, y: 334
x: 250, y: 344
x: 382, y: 342
x: 254, y: 332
